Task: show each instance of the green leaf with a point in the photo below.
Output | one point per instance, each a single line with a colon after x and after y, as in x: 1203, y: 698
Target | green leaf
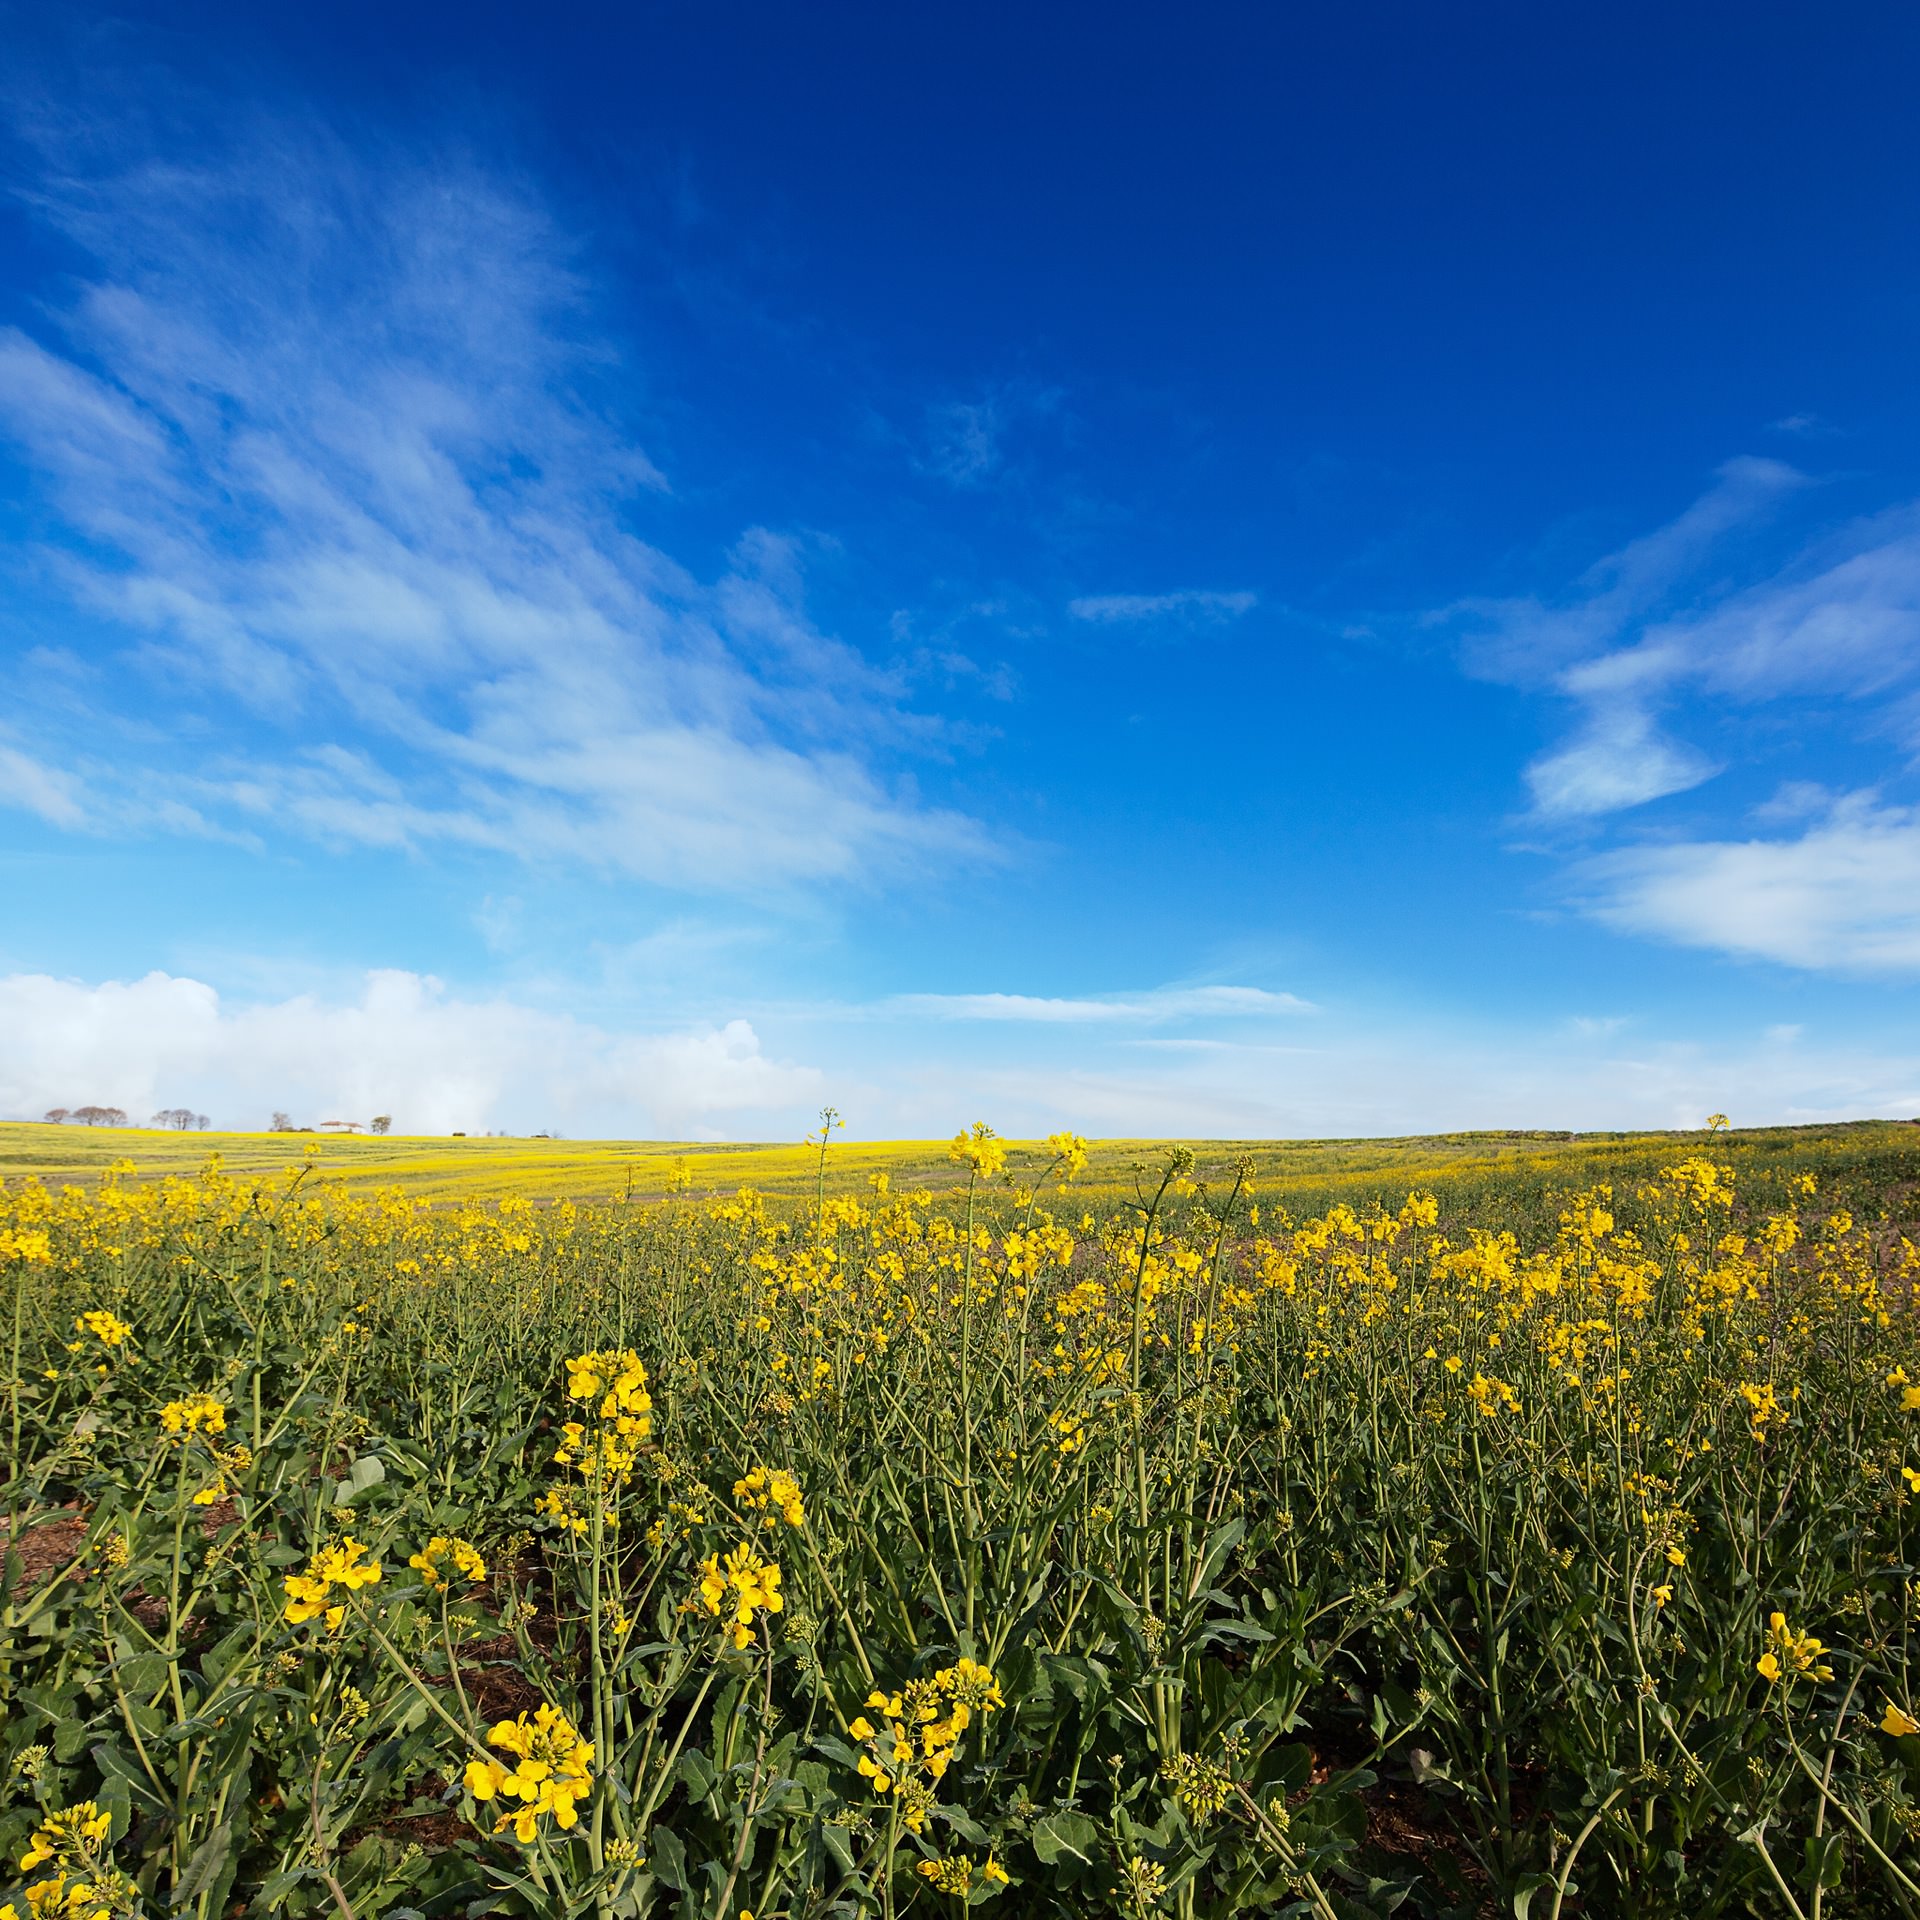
x: 1525, y: 1888
x: 697, y: 1771
x: 836, y: 1842
x: 203, y: 1865
x: 1065, y: 1836
x: 274, y: 1891
x: 368, y: 1471
x: 667, y: 1858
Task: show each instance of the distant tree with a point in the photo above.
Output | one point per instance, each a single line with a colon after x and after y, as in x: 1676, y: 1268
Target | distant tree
x: 101, y: 1116
x: 380, y: 1123
x: 56, y: 1116
x: 201, y: 1121
x: 178, y: 1118
x: 282, y: 1123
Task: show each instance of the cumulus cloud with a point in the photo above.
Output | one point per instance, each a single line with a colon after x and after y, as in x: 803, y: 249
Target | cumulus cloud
x: 1841, y: 896
x: 342, y: 452
x: 1192, y: 606
x: 1154, y: 1004
x: 405, y: 1046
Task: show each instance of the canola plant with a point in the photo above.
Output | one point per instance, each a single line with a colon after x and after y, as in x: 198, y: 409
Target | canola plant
x: 913, y: 1552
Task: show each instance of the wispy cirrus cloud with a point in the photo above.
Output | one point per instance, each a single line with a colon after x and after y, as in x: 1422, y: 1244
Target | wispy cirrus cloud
x: 1666, y: 627
x: 1191, y: 606
x: 54, y: 795
x: 1154, y: 1005
x: 338, y: 449
x: 1618, y: 759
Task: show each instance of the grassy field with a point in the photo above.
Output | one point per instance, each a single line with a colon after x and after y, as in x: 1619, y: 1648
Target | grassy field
x: 1462, y: 1527
x: 1310, y: 1171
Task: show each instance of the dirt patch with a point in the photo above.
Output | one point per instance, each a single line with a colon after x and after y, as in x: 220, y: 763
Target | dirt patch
x: 498, y: 1691
x: 1405, y: 1828
x: 222, y: 1513
x: 431, y: 1832
x: 49, y: 1543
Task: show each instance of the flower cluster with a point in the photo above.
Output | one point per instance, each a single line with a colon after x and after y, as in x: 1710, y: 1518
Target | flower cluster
x: 1492, y: 1395
x: 735, y: 1589
x: 979, y: 1149
x: 1791, y: 1655
x: 311, y: 1594
x: 33, y: 1244
x: 86, y: 1885
x: 956, y: 1875
x: 228, y: 1462
x: 552, y: 1771
x: 1762, y: 1407
x: 432, y: 1561
x: 1069, y: 1154
x: 64, y: 1836
x: 198, y: 1413
x: 922, y: 1725
x: 1201, y: 1786
x: 1143, y: 1884
x: 613, y: 1385
x: 109, y: 1329
x: 773, y: 1494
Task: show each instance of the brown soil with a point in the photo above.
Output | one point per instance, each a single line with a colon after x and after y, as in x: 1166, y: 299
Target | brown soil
x: 49, y: 1542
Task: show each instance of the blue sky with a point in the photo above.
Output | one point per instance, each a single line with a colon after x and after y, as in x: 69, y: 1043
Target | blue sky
x: 1256, y: 572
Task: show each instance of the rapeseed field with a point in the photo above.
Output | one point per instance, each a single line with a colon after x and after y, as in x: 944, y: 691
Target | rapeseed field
x: 1067, y: 1532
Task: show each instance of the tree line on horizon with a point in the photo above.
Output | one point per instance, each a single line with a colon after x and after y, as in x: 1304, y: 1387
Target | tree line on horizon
x: 184, y: 1119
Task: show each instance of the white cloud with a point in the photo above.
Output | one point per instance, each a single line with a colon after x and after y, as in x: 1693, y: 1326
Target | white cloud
x: 1618, y: 760
x: 38, y: 789
x: 343, y: 452
x: 1530, y: 641
x: 1666, y: 620
x: 1191, y: 605
x: 440, y: 1061
x: 1154, y: 1004
x: 405, y: 1046
x: 1377, y: 1080
x: 1843, y: 896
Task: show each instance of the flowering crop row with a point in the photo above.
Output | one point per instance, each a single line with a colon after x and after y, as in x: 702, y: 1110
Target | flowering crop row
x: 907, y: 1552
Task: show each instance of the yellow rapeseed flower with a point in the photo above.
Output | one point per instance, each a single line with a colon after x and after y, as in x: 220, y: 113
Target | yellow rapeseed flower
x: 979, y: 1149
x: 311, y: 1594
x: 552, y: 1772
x: 774, y: 1493
x: 432, y: 1560
x: 1789, y: 1655
x: 109, y: 1329
x: 737, y: 1589
x: 197, y: 1413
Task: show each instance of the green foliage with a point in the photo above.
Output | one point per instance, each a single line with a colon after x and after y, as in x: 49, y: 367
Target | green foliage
x: 1177, y: 1552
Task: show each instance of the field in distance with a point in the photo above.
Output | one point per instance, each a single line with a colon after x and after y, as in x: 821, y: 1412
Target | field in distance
x: 1309, y: 1171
